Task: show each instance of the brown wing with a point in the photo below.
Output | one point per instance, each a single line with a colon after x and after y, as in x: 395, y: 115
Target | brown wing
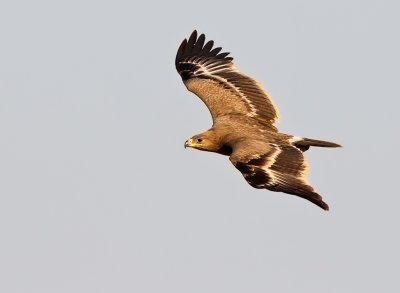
x: 278, y: 168
x: 212, y: 76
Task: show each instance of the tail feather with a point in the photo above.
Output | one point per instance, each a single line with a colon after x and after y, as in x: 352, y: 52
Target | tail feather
x: 305, y: 143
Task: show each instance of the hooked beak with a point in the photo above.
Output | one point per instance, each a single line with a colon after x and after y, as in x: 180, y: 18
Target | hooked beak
x: 188, y: 143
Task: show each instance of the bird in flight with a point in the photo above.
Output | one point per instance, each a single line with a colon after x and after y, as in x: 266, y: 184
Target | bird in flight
x: 243, y: 122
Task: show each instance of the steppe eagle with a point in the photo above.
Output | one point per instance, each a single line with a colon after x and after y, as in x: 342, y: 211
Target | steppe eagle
x: 243, y: 122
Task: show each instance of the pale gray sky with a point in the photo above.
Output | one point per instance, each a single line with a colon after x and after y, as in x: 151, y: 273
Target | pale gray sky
x: 98, y: 194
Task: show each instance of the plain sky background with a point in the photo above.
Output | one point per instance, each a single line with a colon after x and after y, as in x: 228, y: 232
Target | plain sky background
x: 97, y: 193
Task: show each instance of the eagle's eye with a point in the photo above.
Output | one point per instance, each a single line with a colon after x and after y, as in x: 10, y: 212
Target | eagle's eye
x: 199, y: 140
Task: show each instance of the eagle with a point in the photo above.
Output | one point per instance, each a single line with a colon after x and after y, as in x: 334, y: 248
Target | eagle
x: 243, y: 117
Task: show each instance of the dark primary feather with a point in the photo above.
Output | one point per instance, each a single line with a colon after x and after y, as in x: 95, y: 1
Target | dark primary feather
x: 295, y: 186
x: 192, y: 49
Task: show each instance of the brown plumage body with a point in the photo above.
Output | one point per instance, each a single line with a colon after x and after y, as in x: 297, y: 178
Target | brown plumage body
x: 243, y: 117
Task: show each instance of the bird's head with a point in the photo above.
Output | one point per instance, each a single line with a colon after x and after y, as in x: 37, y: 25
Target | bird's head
x: 206, y: 141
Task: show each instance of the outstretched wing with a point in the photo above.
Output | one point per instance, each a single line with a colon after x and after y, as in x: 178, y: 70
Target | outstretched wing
x: 212, y: 76
x: 279, y: 168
